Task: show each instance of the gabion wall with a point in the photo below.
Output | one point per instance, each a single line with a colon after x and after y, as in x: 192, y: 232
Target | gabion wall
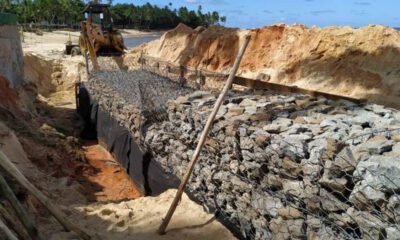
x: 277, y: 166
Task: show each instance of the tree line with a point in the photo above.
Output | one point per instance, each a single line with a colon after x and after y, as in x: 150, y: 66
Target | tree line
x: 147, y: 16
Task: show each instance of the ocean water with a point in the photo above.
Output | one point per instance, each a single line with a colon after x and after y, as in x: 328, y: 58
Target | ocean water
x: 136, y: 41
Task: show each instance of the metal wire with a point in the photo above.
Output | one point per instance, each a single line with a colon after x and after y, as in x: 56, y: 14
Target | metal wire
x: 329, y: 202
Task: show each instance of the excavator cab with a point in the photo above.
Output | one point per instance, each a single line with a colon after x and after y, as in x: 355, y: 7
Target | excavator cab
x: 99, y: 14
x: 98, y: 36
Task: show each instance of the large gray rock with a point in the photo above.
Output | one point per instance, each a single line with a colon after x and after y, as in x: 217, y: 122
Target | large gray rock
x: 393, y: 232
x: 379, y: 147
x: 344, y: 162
x: 266, y: 204
x: 370, y: 225
x: 393, y: 208
x: 330, y: 203
x: 268, y: 177
x: 380, y: 172
x: 330, y: 180
x: 287, y: 229
x: 378, y: 176
x: 321, y: 150
x: 294, y: 146
x: 293, y: 187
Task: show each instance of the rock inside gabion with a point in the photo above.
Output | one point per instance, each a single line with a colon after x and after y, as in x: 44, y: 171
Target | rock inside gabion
x: 277, y: 166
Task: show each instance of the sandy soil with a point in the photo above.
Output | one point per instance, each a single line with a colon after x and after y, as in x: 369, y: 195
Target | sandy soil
x: 55, y: 41
x: 359, y: 63
x: 110, y: 182
x: 127, y: 33
x: 139, y: 219
x: 48, y: 42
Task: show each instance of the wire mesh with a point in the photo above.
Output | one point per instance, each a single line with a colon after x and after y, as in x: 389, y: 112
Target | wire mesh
x: 307, y: 188
x: 279, y: 166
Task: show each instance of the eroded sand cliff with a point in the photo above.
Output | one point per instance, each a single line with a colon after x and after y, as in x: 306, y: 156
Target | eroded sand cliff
x: 360, y: 63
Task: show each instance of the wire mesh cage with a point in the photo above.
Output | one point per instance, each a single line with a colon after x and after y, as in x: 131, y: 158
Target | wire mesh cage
x: 276, y: 166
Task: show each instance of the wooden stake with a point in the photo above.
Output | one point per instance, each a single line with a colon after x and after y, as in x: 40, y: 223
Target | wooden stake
x: 203, y: 137
x: 19, y: 210
x: 12, y: 222
x: 7, y: 232
x: 55, y: 211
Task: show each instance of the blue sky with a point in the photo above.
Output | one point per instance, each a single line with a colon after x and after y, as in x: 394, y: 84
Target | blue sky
x: 252, y: 13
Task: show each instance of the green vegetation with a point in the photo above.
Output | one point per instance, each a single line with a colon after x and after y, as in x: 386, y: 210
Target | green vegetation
x: 6, y: 18
x: 69, y: 13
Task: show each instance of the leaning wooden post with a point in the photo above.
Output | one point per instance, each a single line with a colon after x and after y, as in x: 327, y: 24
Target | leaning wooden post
x: 19, y: 210
x: 203, y: 137
x: 7, y: 232
x: 7, y: 165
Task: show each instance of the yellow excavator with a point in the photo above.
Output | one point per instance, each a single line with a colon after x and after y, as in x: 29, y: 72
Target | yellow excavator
x: 98, y: 36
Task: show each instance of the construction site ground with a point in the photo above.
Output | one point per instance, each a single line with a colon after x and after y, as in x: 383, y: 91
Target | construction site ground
x: 80, y: 176
x: 40, y: 132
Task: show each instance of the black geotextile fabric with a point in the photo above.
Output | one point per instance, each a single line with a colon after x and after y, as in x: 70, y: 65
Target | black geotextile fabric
x: 145, y: 172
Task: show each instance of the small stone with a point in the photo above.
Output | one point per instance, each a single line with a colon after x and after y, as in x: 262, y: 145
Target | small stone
x: 330, y: 203
x: 302, y: 102
x: 371, y: 226
x: 266, y: 204
x: 239, y: 183
x: 364, y: 196
x: 292, y: 167
x: 251, y: 109
x: 344, y: 161
x: 294, y: 146
x: 246, y: 143
x: 247, y: 155
x: 182, y: 99
x: 395, y: 151
x: 261, y: 137
x: 380, y: 172
x: 287, y: 229
x: 284, y: 122
x: 337, y: 184
x: 272, y: 181
x: 235, y: 111
x: 234, y: 165
x: 221, y: 112
x: 342, y: 220
x: 290, y: 213
x: 197, y: 95
x: 260, y: 116
x: 393, y: 232
x: 379, y: 147
x: 299, y: 120
x: 393, y: 207
x: 396, y: 138
x: 247, y: 102
x: 295, y: 188
x: 272, y: 128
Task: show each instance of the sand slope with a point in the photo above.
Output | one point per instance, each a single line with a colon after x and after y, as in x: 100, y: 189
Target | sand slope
x: 139, y: 219
x: 360, y: 63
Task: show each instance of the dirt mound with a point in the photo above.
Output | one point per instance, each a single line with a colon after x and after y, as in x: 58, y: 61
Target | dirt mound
x: 52, y: 72
x: 8, y: 97
x: 360, y: 63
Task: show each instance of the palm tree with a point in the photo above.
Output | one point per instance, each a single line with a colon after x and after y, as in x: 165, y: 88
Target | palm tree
x: 5, y: 5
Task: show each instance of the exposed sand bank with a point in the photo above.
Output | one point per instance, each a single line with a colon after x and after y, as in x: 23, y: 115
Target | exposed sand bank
x: 360, y: 63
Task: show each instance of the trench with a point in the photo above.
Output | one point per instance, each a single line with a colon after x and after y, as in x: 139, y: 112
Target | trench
x: 273, y: 162
x: 147, y: 174
x: 276, y: 165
